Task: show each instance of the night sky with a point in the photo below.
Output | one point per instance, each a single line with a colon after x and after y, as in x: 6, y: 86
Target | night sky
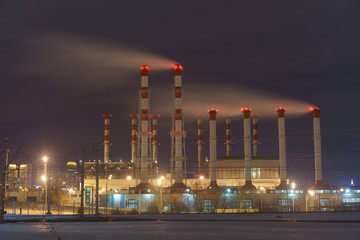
x: 65, y: 63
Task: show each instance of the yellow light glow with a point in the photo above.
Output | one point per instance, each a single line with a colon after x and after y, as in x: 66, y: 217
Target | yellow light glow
x: 162, y: 177
x: 311, y: 193
x: 110, y: 176
x: 262, y: 188
x: 293, y: 185
x: 43, y: 178
x: 128, y: 177
x: 71, y: 190
x: 341, y: 190
x: 45, y: 158
x: 159, y: 181
x: 201, y: 177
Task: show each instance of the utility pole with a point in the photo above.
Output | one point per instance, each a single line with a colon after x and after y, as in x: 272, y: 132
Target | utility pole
x: 97, y: 183
x: 82, y: 187
x: 3, y: 182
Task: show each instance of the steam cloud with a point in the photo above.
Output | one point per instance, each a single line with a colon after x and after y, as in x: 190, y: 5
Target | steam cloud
x: 228, y: 100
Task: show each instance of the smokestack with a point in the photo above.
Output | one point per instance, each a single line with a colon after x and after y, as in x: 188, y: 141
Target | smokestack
x: 317, y: 150
x: 145, y: 134
x: 133, y: 137
x: 282, y: 148
x: 247, y: 150
x: 255, y: 141
x: 228, y: 142
x: 106, y: 137
x: 155, y: 142
x: 200, y: 143
x: 212, y: 144
x: 178, y: 132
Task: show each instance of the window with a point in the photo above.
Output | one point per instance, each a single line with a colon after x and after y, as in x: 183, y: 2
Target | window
x: 255, y: 172
x: 351, y: 200
x: 324, y: 202
x: 132, y: 204
x: 246, y: 204
x: 284, y: 202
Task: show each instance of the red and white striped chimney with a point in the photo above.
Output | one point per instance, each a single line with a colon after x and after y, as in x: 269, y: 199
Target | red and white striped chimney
x: 106, y: 137
x: 282, y: 148
x: 228, y: 141
x: 212, y: 145
x: 133, y: 137
x: 155, y: 141
x: 200, y: 142
x: 145, y: 133
x: 247, y: 149
x: 255, y: 141
x: 317, y: 150
x: 178, y: 132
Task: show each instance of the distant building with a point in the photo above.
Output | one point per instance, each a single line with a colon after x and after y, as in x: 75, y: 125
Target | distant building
x: 19, y: 176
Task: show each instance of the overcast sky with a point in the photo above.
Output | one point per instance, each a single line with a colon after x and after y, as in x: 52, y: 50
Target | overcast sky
x: 65, y: 63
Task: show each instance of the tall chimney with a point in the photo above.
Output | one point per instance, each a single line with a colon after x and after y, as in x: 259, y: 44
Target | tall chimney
x: 282, y: 148
x: 155, y: 142
x: 133, y: 137
x: 212, y: 145
x: 247, y: 150
x: 178, y: 132
x: 145, y: 133
x: 200, y: 143
x: 255, y: 141
x: 317, y: 150
x: 106, y: 137
x: 228, y: 141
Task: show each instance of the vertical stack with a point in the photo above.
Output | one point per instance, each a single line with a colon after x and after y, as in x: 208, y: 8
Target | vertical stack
x: 106, y: 137
x: 255, y: 141
x: 282, y: 148
x: 145, y: 133
x: 212, y: 145
x: 178, y: 134
x: 317, y: 150
x: 228, y: 141
x: 155, y: 142
x: 133, y: 137
x: 247, y: 150
x: 200, y: 143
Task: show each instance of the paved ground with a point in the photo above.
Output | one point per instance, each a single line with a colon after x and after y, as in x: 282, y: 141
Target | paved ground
x: 176, y: 230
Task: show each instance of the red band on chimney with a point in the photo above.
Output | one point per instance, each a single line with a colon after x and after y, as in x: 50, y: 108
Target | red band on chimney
x: 212, y: 113
x: 281, y: 112
x: 144, y: 69
x: 316, y: 112
x: 177, y: 69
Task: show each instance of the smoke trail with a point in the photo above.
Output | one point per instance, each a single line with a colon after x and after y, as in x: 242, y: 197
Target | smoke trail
x: 229, y: 99
x: 86, y: 62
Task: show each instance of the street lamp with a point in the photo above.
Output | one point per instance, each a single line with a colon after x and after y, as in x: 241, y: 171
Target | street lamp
x: 293, y: 188
x: 306, y: 199
x: 262, y: 189
x: 46, y: 180
x: 160, y: 182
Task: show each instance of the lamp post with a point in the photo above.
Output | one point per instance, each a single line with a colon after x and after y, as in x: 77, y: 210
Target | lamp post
x: 293, y: 188
x: 160, y: 181
x: 47, y: 180
x: 306, y: 199
x: 262, y: 189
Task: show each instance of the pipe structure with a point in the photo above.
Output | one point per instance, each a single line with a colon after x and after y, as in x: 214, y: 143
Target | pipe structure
x: 255, y: 141
x: 200, y: 143
x: 133, y: 137
x: 178, y: 132
x: 212, y: 145
x: 155, y: 141
x: 282, y: 148
x: 247, y: 150
x: 106, y: 137
x: 317, y: 150
x: 145, y: 133
x: 228, y: 141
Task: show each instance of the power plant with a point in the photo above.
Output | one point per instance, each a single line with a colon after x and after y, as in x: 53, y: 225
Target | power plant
x: 248, y: 172
x: 248, y: 183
